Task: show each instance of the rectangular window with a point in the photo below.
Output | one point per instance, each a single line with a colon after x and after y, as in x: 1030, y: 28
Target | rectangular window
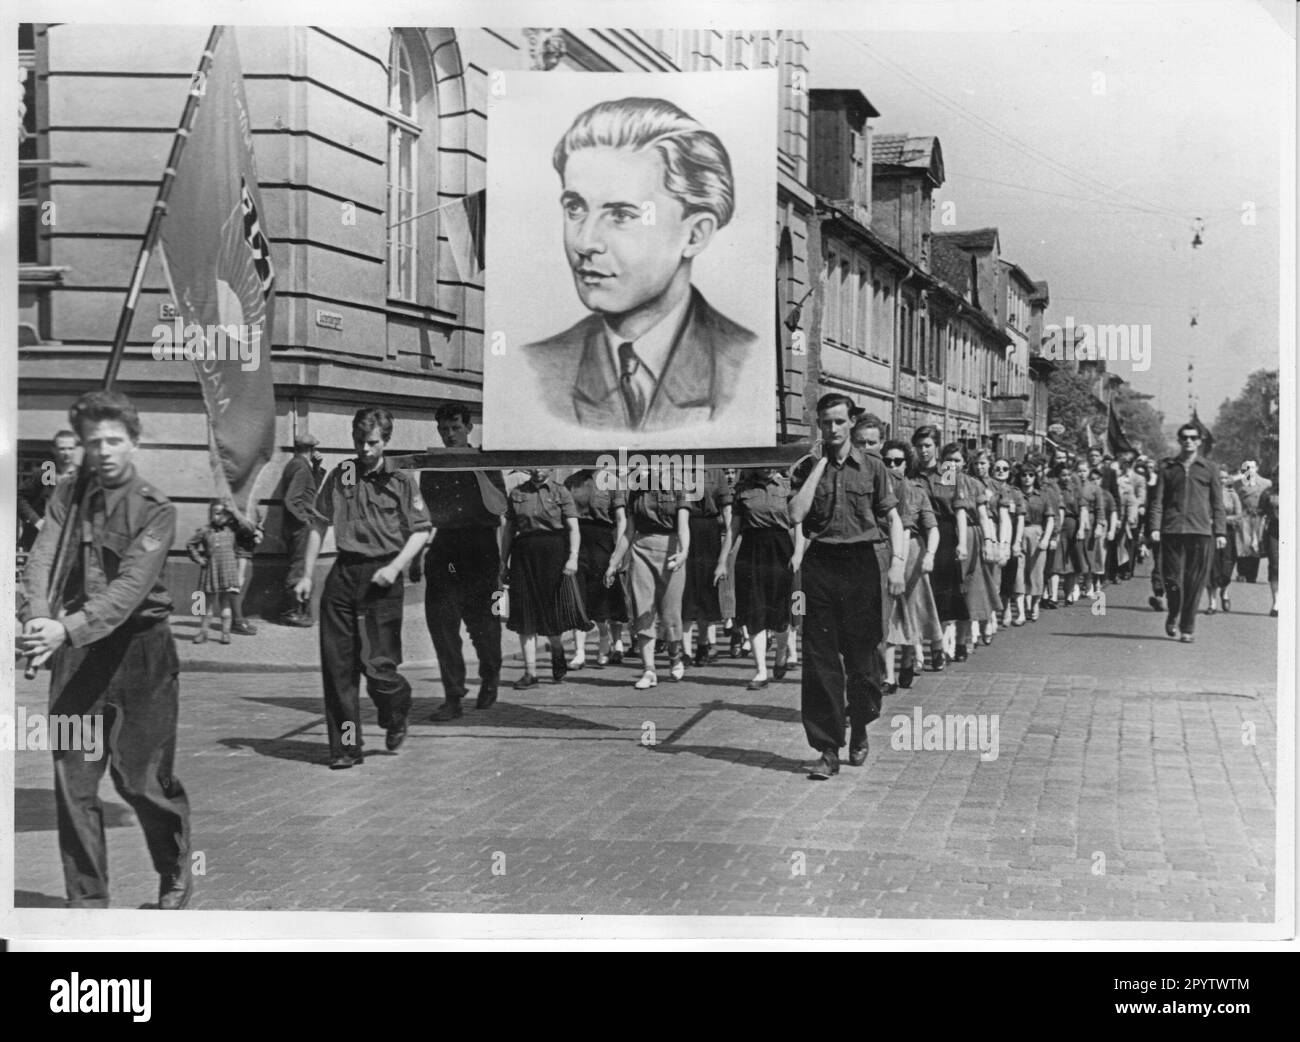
x: 864, y: 313
x: 401, y: 213
x: 846, y: 305
x: 831, y: 319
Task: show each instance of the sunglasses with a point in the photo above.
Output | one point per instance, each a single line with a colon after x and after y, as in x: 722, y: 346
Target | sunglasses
x: 1001, y: 470
x: 894, y: 461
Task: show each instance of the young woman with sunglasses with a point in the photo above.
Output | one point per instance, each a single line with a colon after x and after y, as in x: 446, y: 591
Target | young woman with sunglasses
x: 992, y: 551
x: 912, y: 617
x: 950, y: 498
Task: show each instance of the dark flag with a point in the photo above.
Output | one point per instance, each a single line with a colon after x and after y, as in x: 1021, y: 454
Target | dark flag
x: 1207, y: 439
x: 464, y: 223
x: 218, y: 265
x: 1116, y: 441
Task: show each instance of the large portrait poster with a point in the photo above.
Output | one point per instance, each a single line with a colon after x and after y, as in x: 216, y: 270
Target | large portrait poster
x: 631, y: 261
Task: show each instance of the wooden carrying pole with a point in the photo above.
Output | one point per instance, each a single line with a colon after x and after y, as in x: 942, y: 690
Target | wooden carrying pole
x: 64, y: 552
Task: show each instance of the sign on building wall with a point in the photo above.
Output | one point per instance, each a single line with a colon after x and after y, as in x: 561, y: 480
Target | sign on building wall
x: 631, y: 261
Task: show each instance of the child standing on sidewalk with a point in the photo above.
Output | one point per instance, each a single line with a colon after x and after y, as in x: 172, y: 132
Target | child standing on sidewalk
x: 213, y: 547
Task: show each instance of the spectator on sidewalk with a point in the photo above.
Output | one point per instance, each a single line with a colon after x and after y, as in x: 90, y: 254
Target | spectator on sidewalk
x: 301, y: 481
x: 1269, y: 504
x: 1250, y: 533
x: 34, y: 497
x: 462, y: 567
x: 212, y: 547
x: 248, y: 537
x: 1225, y: 558
x: 1187, y: 522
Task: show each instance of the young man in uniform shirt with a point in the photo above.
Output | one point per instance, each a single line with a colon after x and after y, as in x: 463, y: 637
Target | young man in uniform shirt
x: 1188, y: 523
x: 837, y: 499
x: 114, y: 658
x: 380, y: 524
x: 462, y: 566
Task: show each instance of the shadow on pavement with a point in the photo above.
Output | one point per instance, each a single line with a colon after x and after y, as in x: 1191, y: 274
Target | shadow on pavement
x: 34, y: 811
x: 31, y: 899
x: 745, y: 757
x: 317, y: 752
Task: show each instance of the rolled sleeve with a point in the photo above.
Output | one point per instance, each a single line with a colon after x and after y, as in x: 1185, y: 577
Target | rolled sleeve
x: 882, y: 491
x: 568, y: 508
x: 140, y: 568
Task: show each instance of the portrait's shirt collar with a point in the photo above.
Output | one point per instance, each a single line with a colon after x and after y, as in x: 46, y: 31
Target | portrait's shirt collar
x: 654, y: 345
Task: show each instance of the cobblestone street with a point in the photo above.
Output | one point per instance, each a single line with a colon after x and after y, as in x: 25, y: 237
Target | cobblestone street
x: 1134, y: 780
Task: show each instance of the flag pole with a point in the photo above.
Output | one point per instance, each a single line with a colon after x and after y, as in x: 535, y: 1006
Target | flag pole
x: 198, y: 86
x: 63, y: 552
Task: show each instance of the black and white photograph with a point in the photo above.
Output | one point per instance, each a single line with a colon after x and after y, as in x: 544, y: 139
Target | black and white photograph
x: 663, y: 482
x: 662, y: 194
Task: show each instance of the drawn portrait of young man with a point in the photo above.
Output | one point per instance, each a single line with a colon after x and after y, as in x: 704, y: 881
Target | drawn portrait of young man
x: 644, y: 189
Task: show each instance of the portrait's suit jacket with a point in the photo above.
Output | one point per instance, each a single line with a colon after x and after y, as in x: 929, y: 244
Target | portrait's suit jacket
x: 579, y: 383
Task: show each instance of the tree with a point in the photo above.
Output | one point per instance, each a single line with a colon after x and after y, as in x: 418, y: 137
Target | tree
x: 1142, y: 424
x: 1247, y: 426
x: 1070, y: 402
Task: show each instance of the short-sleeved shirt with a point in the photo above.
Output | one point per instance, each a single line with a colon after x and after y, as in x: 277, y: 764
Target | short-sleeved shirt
x: 715, y: 493
x: 947, y: 500
x: 593, y: 502
x: 463, y: 498
x: 374, y: 513
x: 541, y: 507
x: 848, y: 497
x: 763, y: 504
x: 914, y: 508
x: 1012, y: 497
x: 1092, y: 496
x: 655, y: 510
x: 1038, y: 507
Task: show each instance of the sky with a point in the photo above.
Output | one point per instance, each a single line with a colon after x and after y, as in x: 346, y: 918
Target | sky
x: 1094, y: 151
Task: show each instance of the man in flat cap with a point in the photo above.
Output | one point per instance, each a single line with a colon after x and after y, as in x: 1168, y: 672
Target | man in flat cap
x: 301, y: 480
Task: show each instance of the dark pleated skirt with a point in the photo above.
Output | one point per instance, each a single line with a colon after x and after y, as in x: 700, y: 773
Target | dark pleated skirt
x: 1062, y: 562
x: 946, y: 579
x: 542, y: 598
x: 764, y: 582
x: 602, y: 603
x: 700, y: 597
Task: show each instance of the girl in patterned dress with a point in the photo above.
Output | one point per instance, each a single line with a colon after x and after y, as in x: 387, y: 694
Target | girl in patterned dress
x: 213, y: 548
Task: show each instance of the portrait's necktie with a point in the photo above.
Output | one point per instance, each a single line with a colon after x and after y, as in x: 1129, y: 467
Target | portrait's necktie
x: 630, y: 371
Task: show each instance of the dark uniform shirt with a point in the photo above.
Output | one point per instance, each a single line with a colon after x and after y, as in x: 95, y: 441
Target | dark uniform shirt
x: 715, y: 493
x: 947, y: 499
x: 126, y: 533
x: 763, y: 504
x: 463, y: 498
x: 1186, y: 501
x: 593, y: 502
x: 914, y: 508
x: 539, y: 508
x: 847, y: 499
x: 1038, y: 508
x: 373, y: 514
x: 1092, y: 497
x: 655, y: 510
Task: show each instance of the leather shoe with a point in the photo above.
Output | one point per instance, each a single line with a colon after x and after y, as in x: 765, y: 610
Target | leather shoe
x: 1187, y: 638
x: 487, y: 697
x: 528, y: 680
x: 449, y: 710
x: 395, y: 735
x: 858, y: 751
x: 174, y: 890
x: 559, y: 667
x: 305, y: 621
x: 756, y: 684
x: 906, y: 675
x: 1171, y: 628
x: 825, y: 766
x: 342, y: 763
x: 1157, y: 603
x: 244, y: 628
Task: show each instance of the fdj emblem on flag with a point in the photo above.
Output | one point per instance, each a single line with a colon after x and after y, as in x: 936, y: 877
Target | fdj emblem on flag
x: 217, y: 261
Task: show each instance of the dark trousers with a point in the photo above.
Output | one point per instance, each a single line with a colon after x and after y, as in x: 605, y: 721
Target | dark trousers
x: 1157, y: 578
x: 1247, y: 568
x: 360, y: 632
x: 295, y: 541
x: 130, y: 679
x: 841, y: 642
x: 461, y: 573
x: 1185, y: 561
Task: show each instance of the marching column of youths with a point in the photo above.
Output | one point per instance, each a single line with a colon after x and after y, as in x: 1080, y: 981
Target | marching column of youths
x: 893, y: 558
